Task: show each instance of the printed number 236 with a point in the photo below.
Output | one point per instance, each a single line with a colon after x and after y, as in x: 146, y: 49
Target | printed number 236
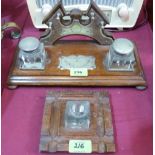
x: 77, y: 72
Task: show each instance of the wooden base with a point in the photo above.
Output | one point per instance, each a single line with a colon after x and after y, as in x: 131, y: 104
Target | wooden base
x: 53, y: 76
x: 55, y: 137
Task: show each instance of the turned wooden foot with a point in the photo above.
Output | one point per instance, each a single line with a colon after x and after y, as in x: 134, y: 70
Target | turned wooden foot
x: 141, y: 87
x: 12, y: 87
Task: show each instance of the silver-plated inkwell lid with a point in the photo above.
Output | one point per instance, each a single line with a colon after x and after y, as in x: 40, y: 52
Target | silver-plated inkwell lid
x: 123, y: 46
x: 29, y: 44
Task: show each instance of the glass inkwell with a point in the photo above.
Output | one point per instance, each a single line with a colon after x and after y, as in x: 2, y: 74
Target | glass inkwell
x: 32, y: 54
x: 77, y: 115
x: 120, y: 56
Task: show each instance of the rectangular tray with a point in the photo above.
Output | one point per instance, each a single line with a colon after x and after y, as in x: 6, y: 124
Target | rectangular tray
x: 54, y: 136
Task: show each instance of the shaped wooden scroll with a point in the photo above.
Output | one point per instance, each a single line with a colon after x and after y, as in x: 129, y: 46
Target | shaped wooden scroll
x: 76, y: 22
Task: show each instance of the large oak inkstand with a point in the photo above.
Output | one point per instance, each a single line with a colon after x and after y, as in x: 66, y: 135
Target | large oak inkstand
x: 106, y: 62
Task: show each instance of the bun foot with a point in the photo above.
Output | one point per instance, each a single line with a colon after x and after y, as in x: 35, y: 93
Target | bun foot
x: 141, y: 87
x: 12, y: 87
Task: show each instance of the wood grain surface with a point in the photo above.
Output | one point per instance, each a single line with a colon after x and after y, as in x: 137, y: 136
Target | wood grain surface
x: 54, y: 136
x: 53, y: 76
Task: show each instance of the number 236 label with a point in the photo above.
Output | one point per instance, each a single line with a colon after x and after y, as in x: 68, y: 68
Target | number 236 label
x: 80, y: 146
x: 78, y: 72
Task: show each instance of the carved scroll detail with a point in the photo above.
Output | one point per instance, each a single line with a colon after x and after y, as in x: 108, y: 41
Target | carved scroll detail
x: 90, y: 23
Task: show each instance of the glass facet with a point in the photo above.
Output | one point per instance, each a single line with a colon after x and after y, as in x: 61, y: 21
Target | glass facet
x: 77, y: 115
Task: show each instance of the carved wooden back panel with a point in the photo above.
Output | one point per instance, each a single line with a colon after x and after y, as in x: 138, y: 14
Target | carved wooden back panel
x: 89, y: 23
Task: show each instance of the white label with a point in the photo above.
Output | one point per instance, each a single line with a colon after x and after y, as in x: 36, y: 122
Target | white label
x: 80, y: 146
x: 78, y: 72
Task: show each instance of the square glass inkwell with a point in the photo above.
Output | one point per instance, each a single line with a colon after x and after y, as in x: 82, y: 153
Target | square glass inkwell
x: 77, y: 115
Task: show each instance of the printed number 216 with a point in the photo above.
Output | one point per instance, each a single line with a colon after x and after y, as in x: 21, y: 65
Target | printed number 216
x: 79, y: 145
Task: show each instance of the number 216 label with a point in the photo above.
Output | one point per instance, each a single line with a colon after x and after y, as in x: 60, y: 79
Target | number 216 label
x: 80, y: 146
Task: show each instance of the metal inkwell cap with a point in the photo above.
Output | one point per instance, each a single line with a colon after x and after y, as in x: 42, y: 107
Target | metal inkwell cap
x: 123, y: 46
x: 29, y: 44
